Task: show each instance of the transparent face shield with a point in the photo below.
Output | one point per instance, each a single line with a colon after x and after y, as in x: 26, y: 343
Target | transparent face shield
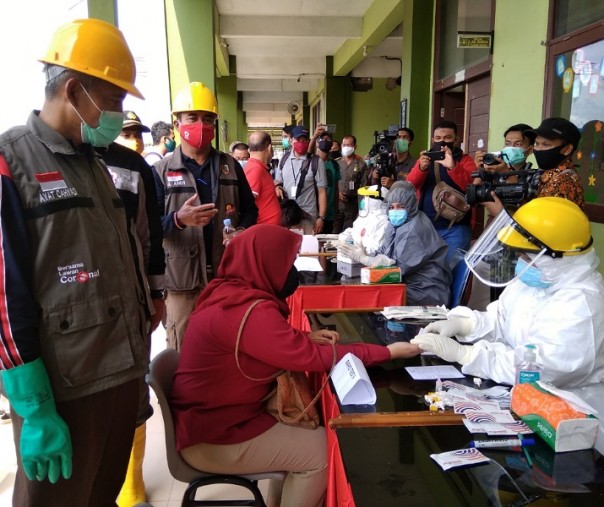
x: 494, y: 257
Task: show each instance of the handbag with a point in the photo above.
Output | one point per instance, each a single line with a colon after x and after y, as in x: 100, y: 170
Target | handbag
x: 448, y: 202
x: 292, y: 401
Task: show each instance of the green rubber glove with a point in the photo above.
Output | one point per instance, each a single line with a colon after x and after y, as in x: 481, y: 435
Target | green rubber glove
x: 45, y: 440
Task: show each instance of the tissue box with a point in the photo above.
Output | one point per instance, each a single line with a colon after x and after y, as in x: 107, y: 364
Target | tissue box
x: 381, y: 275
x: 555, y: 415
x: 349, y: 269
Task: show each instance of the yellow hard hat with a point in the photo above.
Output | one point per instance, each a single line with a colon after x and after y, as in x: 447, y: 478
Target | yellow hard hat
x: 96, y: 48
x: 552, y: 223
x: 195, y: 97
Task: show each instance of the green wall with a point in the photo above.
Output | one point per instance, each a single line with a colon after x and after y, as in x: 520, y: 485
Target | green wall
x: 416, y: 81
x: 102, y: 9
x: 518, y: 71
x: 373, y: 110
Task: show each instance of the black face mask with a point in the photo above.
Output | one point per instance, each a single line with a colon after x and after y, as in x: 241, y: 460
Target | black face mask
x: 549, y: 159
x: 334, y: 155
x: 439, y: 144
x: 325, y: 145
x: 291, y: 284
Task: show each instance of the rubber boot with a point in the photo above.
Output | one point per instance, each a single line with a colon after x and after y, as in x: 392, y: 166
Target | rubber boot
x: 133, y: 489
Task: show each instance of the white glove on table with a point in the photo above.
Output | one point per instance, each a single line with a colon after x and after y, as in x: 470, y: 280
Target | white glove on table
x: 445, y: 348
x: 453, y: 326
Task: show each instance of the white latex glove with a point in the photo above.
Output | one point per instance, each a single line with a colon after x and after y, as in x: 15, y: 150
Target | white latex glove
x: 353, y: 252
x: 445, y: 348
x: 453, y: 326
x: 380, y: 260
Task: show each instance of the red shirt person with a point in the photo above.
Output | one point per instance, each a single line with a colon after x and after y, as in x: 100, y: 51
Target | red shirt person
x: 260, y: 180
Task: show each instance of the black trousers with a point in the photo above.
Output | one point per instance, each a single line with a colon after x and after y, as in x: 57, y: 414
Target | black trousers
x: 102, y: 428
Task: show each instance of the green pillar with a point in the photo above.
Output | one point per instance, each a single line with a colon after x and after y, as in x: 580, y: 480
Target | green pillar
x: 102, y: 9
x: 227, y: 108
x: 190, y: 37
x: 337, y: 101
x: 416, y: 86
x: 241, y: 119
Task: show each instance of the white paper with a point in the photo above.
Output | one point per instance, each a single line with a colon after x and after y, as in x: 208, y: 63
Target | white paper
x: 433, y: 372
x: 351, y: 382
x: 571, y: 398
x: 459, y: 458
x: 415, y: 312
x: 511, y: 428
x: 310, y: 244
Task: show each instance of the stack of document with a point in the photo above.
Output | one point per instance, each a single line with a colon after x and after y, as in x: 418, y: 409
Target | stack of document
x: 415, y: 312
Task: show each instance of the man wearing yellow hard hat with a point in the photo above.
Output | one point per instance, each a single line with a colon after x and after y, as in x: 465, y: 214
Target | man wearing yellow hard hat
x: 199, y: 188
x: 72, y: 316
x: 553, y: 301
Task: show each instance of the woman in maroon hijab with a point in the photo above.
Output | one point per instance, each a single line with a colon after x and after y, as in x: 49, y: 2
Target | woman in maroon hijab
x: 221, y: 422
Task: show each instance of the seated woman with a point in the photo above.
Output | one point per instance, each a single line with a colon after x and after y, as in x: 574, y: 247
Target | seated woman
x: 220, y: 416
x: 412, y: 243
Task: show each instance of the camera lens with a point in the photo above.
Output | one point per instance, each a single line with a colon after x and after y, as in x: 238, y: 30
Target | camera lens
x: 490, y: 159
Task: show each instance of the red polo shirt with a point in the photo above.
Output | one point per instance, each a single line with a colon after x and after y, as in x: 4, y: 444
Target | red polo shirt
x: 263, y: 188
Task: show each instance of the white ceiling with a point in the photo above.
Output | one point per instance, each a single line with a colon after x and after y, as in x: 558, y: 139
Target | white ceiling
x: 281, y: 47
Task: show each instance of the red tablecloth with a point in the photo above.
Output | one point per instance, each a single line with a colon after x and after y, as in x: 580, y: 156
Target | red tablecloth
x: 332, y: 297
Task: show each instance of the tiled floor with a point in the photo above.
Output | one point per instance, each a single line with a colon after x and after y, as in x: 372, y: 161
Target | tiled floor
x: 161, y: 489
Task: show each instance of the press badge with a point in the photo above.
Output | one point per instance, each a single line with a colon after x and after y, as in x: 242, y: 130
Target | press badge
x: 293, y: 191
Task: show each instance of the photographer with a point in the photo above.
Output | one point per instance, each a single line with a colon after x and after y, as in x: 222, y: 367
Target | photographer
x: 353, y: 176
x: 381, y: 159
x: 557, y: 139
x: 403, y: 161
x: 518, y: 145
x: 455, y: 169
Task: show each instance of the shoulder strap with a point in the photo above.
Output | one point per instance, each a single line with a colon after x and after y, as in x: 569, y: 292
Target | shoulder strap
x: 284, y: 157
x: 302, y: 178
x: 241, y: 326
x: 436, y: 173
x: 314, y: 165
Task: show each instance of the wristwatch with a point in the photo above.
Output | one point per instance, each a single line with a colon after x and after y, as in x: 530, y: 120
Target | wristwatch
x: 158, y: 293
x: 320, y: 217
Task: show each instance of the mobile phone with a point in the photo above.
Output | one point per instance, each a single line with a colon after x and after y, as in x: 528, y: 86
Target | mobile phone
x: 435, y: 155
x: 330, y: 128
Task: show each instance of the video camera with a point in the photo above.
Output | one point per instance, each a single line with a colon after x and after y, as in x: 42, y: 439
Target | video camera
x: 381, y: 151
x: 509, y: 193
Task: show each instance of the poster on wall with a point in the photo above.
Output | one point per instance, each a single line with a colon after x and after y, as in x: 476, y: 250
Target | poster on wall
x: 579, y: 96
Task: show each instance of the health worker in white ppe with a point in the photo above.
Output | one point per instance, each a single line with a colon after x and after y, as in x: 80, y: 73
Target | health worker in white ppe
x: 555, y: 300
x: 412, y: 244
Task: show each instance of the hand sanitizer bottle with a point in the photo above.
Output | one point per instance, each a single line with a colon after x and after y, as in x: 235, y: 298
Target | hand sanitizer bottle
x: 528, y: 370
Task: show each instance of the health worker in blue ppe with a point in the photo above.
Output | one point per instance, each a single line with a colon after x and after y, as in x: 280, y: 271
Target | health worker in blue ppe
x: 553, y: 300
x: 412, y: 244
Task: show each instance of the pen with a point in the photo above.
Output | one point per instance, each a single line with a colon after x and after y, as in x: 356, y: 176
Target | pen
x: 503, y: 442
x: 203, y: 182
x: 529, y: 461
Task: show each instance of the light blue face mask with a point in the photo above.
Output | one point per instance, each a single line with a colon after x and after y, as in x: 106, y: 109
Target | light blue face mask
x: 513, y: 155
x: 397, y: 217
x: 110, y: 126
x: 242, y: 163
x: 530, y: 275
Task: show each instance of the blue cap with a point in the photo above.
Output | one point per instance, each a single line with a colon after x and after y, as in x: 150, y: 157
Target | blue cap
x: 299, y: 131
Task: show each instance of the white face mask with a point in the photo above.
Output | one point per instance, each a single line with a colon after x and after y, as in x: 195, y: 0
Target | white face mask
x: 347, y: 151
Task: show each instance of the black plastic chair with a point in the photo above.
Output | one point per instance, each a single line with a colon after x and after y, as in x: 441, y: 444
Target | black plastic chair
x: 160, y: 378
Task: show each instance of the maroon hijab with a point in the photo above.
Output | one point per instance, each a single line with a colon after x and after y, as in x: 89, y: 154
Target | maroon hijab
x: 254, y: 266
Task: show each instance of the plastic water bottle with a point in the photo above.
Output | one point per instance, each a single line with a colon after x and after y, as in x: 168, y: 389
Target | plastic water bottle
x: 228, y: 232
x: 528, y: 370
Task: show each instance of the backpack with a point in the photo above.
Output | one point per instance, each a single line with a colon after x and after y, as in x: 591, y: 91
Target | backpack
x: 448, y: 202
